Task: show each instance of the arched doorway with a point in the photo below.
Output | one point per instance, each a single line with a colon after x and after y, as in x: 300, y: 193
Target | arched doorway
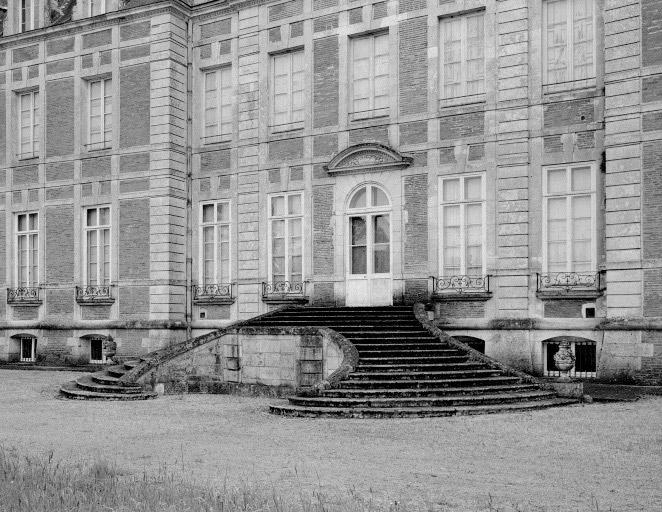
x: 368, y: 243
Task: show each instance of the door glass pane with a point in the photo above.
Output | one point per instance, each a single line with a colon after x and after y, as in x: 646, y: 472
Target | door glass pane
x: 379, y: 197
x: 382, y: 229
x: 359, y: 262
x: 382, y: 259
x: 358, y: 227
x: 359, y: 199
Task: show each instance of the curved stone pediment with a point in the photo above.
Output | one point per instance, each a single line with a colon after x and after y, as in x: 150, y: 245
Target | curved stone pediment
x: 367, y: 157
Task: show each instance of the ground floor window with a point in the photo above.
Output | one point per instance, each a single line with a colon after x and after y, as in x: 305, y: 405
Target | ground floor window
x: 96, y: 351
x: 585, y: 358
x: 28, y: 349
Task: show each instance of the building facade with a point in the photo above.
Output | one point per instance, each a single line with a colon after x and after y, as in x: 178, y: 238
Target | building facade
x: 169, y: 167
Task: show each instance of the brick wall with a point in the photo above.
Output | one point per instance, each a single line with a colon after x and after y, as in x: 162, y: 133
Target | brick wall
x: 652, y: 200
x: 59, y: 231
x: 60, y: 117
x: 3, y: 127
x: 59, y: 302
x: 463, y: 125
x: 134, y: 254
x: 413, y: 66
x: 93, y: 167
x: 134, y: 105
x: 323, y: 253
x: 563, y: 308
x: 651, y: 32
x: 468, y: 309
x: 3, y: 251
x: 415, y: 258
x: 565, y: 113
x: 653, y: 292
x: 325, y: 82
x: 59, y: 171
x: 133, y: 301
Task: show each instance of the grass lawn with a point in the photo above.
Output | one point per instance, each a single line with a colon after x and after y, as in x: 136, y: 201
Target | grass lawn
x: 598, y: 457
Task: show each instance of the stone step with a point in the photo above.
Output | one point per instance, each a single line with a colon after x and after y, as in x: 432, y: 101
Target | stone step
x: 287, y: 409
x: 424, y: 375
x: 368, y: 332
x: 116, y: 371
x: 442, y: 401
x: 385, y: 348
x: 352, y: 309
x: 130, y: 365
x: 87, y: 383
x: 399, y: 383
x: 104, y: 378
x: 72, y: 391
x: 363, y: 367
x: 416, y: 392
x: 372, y: 359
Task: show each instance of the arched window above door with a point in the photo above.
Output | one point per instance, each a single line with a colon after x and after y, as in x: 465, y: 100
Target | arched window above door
x: 369, y: 196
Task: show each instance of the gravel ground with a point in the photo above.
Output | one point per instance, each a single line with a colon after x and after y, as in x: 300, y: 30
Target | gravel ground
x: 599, y: 457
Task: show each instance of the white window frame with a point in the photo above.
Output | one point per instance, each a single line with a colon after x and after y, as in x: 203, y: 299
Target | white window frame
x: 292, y: 114
x: 105, y: 137
x: 33, y: 123
x: 372, y: 111
x: 32, y: 239
x: 100, y: 263
x: 101, y: 7
x: 573, y: 373
x: 569, y: 195
x: 33, y: 351
x: 28, y: 15
x: 286, y: 217
x: 223, y: 94
x: 464, y: 52
x: 463, y: 202
x: 216, y: 224
x: 569, y: 44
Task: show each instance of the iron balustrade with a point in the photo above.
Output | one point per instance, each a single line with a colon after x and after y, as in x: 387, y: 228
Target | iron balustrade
x: 568, y: 282
x: 460, y: 284
x: 24, y: 295
x: 94, y: 294
x: 295, y: 289
x: 213, y: 293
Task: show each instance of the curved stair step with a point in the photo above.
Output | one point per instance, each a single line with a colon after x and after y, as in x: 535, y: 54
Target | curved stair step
x: 444, y: 401
x: 87, y: 383
x: 423, y: 392
x: 364, y: 367
x: 104, y: 378
x: 413, y: 412
x: 423, y: 383
x: 116, y: 371
x: 72, y: 391
x: 423, y: 375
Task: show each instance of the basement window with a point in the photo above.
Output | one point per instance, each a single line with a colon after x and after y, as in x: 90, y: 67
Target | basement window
x: 585, y: 352
x: 28, y: 349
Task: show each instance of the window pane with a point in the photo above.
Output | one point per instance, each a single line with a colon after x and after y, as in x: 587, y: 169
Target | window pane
x: 92, y: 217
x: 581, y: 179
x: 359, y: 260
x: 379, y: 198
x: 381, y: 226
x: 208, y: 213
x: 382, y: 263
x: 104, y: 216
x: 223, y: 212
x: 277, y: 206
x: 451, y: 190
x: 34, y: 223
x: 557, y: 41
x: 556, y: 181
x: 358, y: 199
x: 294, y: 204
x: 358, y: 230
x: 585, y: 358
x: 278, y: 228
x: 472, y: 189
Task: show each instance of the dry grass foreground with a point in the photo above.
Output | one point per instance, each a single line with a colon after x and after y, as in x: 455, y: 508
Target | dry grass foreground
x: 227, y: 453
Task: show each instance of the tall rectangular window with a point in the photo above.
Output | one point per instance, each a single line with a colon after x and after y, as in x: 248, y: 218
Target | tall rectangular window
x: 286, y: 237
x: 97, y: 7
x: 29, y: 15
x: 215, y: 244
x: 29, y: 119
x: 463, y: 226
x: 569, y: 219
x: 462, y: 55
x: 218, y: 105
x: 370, y: 76
x: 97, y: 241
x: 27, y: 250
x: 568, y: 40
x: 288, y: 89
x: 101, y: 113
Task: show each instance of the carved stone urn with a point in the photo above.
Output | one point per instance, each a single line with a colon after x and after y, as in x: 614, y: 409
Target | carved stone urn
x: 564, y: 360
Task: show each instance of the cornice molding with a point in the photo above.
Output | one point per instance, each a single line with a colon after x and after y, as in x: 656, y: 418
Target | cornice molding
x: 367, y: 157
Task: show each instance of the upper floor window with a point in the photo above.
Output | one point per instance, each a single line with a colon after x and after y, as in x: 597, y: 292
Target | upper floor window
x: 569, y: 219
x: 286, y: 236
x: 27, y: 249
x: 28, y: 135
x: 101, y: 113
x: 215, y: 244
x: 463, y: 226
x: 462, y: 54
x: 288, y: 90
x: 97, y: 7
x: 568, y: 41
x: 218, y: 105
x: 29, y: 15
x: 369, y: 76
x: 97, y: 242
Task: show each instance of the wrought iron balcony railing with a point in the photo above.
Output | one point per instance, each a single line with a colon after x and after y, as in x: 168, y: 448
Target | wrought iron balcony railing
x: 277, y: 291
x: 567, y: 283
x: 461, y: 284
x: 94, y: 294
x: 219, y: 293
x: 24, y: 296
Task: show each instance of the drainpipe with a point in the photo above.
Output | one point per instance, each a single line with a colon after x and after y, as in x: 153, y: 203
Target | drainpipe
x: 189, y: 178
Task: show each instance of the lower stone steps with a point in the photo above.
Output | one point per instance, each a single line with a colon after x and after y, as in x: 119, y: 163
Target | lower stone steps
x: 104, y: 385
x: 424, y: 392
x: 287, y: 409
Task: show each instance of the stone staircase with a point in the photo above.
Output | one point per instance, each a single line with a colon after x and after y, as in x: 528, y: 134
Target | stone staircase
x: 104, y: 385
x: 405, y: 371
